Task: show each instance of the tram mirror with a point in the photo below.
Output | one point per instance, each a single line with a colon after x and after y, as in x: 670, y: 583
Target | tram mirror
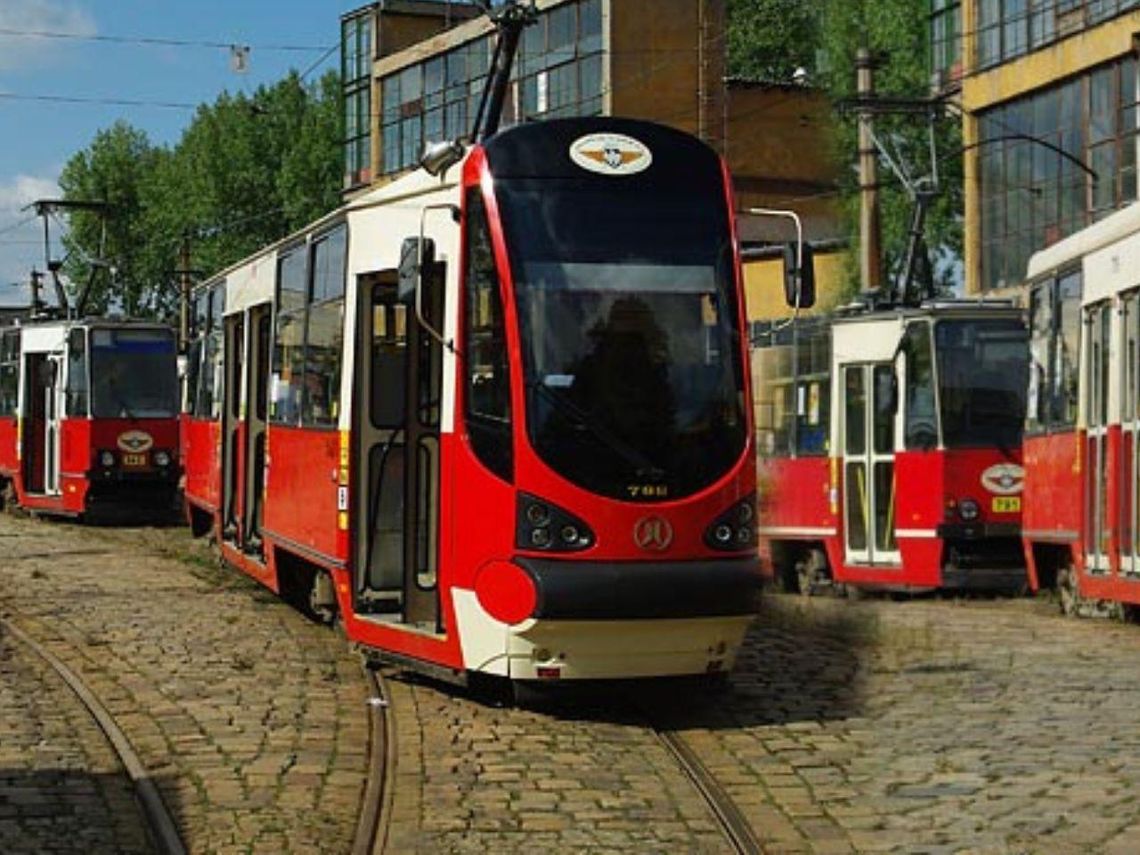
x: 799, y: 275
x: 411, y: 263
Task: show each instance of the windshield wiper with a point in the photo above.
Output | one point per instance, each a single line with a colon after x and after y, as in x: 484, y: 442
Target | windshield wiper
x: 645, y: 467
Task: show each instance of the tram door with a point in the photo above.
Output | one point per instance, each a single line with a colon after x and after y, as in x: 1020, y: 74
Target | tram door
x: 869, y: 463
x: 256, y: 418
x: 1097, y: 329
x: 53, y: 408
x: 396, y: 424
x: 1129, y: 467
x: 232, y: 412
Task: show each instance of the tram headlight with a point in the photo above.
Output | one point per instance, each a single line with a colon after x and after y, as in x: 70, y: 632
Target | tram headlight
x: 162, y: 458
x: 734, y: 529
x: 968, y: 509
x: 546, y: 527
x: 106, y: 459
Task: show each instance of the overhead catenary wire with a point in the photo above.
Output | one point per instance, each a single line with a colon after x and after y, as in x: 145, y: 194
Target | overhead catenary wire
x: 157, y: 41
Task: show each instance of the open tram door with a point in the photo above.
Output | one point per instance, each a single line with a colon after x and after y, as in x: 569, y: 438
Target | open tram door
x: 232, y: 418
x: 244, y: 419
x: 1097, y: 332
x: 40, y: 436
x: 396, y: 430
x: 868, y: 403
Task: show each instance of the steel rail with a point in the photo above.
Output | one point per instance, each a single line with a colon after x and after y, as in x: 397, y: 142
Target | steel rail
x: 163, y: 828
x: 371, y: 836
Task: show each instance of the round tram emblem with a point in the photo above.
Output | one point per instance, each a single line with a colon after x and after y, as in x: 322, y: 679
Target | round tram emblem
x: 1004, y: 479
x: 653, y: 534
x: 611, y: 154
x: 135, y: 441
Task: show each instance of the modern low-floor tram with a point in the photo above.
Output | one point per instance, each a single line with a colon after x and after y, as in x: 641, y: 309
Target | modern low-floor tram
x: 496, y: 419
x: 89, y: 417
x: 890, y: 447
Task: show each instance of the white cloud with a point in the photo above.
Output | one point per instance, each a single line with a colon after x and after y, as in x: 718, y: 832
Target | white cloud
x: 21, y: 248
x: 53, y: 16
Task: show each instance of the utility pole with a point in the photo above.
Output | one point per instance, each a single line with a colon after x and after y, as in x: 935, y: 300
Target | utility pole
x: 184, y: 283
x: 870, y: 248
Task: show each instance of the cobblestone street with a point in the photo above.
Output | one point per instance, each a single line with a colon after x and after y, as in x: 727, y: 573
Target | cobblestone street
x: 925, y: 725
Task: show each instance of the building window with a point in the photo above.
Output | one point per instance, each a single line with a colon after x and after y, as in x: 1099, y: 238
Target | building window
x: 946, y: 40
x: 1008, y: 29
x: 557, y: 72
x: 356, y: 62
x: 1032, y: 195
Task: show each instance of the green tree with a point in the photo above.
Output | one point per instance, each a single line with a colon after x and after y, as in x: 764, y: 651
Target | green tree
x: 769, y: 39
x: 113, y: 169
x: 247, y: 170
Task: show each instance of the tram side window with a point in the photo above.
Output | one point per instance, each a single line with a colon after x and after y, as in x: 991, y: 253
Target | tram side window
x: 205, y: 396
x: 324, y: 332
x: 77, y: 372
x: 286, y: 388
x: 792, y: 384
x: 9, y: 371
x: 487, y: 386
x: 1055, y: 339
x: 920, y: 414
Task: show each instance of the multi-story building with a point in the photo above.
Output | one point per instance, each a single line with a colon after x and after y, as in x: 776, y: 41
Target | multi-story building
x: 1048, y: 95
x: 414, y: 71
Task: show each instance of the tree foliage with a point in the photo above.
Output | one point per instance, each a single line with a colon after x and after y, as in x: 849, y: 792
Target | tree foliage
x: 247, y: 170
x: 766, y: 38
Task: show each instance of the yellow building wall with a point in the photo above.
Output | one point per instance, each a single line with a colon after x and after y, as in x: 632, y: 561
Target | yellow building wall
x: 764, y: 286
x: 1015, y: 79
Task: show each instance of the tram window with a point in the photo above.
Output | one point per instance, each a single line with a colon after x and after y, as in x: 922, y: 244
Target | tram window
x: 919, y: 414
x: 1040, y: 342
x: 291, y: 282
x: 207, y: 401
x: 1064, y: 373
x: 9, y: 371
x: 328, y: 266
x: 193, y: 374
x: 286, y: 386
x: 389, y: 360
x: 856, y: 410
x: 77, y: 372
x: 321, y: 399
x: 487, y: 388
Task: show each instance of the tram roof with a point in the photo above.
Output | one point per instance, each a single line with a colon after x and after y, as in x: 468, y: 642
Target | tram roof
x: 1112, y: 228
x: 857, y: 313
x: 415, y: 183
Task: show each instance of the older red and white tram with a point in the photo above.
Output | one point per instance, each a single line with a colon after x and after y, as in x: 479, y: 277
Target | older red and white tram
x: 1081, y: 529
x: 89, y: 416
x: 890, y: 444
x: 518, y: 443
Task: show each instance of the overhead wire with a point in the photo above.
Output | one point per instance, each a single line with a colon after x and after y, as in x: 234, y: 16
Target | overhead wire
x: 155, y: 41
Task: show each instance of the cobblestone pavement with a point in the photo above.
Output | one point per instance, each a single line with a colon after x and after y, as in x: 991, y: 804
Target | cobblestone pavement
x: 252, y: 720
x: 62, y: 788
x: 922, y: 726
x: 980, y: 726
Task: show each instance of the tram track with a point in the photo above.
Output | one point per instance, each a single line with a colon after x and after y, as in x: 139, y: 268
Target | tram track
x: 371, y: 836
x: 160, y: 823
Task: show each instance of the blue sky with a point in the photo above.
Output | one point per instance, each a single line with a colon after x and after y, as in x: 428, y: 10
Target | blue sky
x: 38, y: 137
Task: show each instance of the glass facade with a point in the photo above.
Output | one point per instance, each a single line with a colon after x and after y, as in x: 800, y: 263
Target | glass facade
x: 1007, y: 29
x: 946, y: 40
x: 1033, y: 191
x: 558, y: 72
x: 356, y: 74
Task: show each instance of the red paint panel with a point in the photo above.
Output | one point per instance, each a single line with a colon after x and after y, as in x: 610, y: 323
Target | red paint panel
x: 201, y: 455
x: 8, y: 461
x: 1053, y: 498
x: 301, y: 488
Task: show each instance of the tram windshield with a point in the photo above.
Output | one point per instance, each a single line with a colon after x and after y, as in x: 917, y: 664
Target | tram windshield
x: 133, y: 374
x: 983, y: 370
x: 629, y: 325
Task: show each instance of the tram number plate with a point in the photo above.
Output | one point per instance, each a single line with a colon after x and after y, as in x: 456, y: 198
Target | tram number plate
x: 134, y: 460
x: 1006, y: 504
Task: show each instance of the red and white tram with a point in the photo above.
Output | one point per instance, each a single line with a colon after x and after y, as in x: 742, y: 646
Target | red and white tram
x: 497, y: 419
x: 890, y: 444
x: 89, y: 417
x: 1081, y: 530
